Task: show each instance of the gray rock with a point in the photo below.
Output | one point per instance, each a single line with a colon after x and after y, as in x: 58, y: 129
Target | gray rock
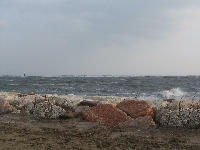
x: 180, y: 114
x: 47, y: 110
x: 30, y: 107
x: 80, y: 109
x: 5, y: 106
x: 26, y: 103
x: 9, y: 95
x: 67, y: 101
x: 47, y: 106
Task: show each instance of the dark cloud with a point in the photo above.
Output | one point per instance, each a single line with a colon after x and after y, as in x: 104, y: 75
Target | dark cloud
x: 71, y: 33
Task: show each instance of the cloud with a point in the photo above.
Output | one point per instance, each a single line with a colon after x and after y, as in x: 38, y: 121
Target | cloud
x: 4, y: 24
x: 99, y: 37
x: 186, y: 22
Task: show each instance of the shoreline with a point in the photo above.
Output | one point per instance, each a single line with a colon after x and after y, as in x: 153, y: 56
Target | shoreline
x: 30, y: 123
x: 22, y: 131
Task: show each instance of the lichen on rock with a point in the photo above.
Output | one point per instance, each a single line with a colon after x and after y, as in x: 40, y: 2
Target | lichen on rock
x: 185, y: 113
x: 47, y: 110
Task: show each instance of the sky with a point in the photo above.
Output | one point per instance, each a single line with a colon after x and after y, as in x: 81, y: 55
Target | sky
x: 99, y: 37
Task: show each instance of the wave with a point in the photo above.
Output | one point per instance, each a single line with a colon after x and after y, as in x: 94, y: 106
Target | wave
x: 173, y: 93
x: 13, y: 84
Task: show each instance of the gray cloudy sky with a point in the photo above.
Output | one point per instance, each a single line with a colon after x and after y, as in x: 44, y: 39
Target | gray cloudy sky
x: 99, y: 37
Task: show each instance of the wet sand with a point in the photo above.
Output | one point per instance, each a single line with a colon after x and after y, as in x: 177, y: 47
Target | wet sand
x: 22, y: 131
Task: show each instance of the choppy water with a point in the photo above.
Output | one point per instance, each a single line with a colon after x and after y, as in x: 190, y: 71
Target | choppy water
x: 161, y: 87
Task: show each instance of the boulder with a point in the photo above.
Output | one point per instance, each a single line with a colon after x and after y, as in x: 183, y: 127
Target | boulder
x: 105, y: 114
x: 80, y: 109
x: 47, y: 110
x: 135, y: 108
x: 67, y: 101
x: 5, y: 106
x: 146, y: 121
x: 89, y: 103
x: 9, y: 95
x: 27, y: 102
x: 47, y: 106
x: 180, y: 114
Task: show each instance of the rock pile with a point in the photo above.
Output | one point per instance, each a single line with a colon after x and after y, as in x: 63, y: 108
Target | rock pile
x: 43, y: 106
x: 105, y: 114
x: 180, y: 114
x: 47, y: 109
x: 126, y: 113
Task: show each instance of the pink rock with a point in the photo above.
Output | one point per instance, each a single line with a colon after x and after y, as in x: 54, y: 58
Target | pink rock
x: 105, y: 114
x: 4, y: 106
x: 135, y: 108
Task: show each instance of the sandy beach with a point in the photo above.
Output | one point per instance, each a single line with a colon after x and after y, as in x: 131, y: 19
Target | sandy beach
x: 23, y: 131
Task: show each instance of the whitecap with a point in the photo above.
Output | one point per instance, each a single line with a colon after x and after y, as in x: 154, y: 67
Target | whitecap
x: 175, y: 93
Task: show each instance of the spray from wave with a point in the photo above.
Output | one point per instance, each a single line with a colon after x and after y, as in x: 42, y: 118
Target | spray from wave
x: 175, y: 93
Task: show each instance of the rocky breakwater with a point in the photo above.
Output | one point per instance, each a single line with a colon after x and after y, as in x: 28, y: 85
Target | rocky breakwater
x: 169, y: 113
x: 180, y: 113
x: 124, y: 114
x: 42, y: 106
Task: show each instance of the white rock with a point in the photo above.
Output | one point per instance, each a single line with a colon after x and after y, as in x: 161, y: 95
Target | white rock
x: 65, y: 101
x: 5, y: 106
x: 9, y: 95
x: 180, y: 113
x: 47, y: 110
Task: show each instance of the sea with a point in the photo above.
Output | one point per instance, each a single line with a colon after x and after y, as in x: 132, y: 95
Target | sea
x: 141, y: 87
